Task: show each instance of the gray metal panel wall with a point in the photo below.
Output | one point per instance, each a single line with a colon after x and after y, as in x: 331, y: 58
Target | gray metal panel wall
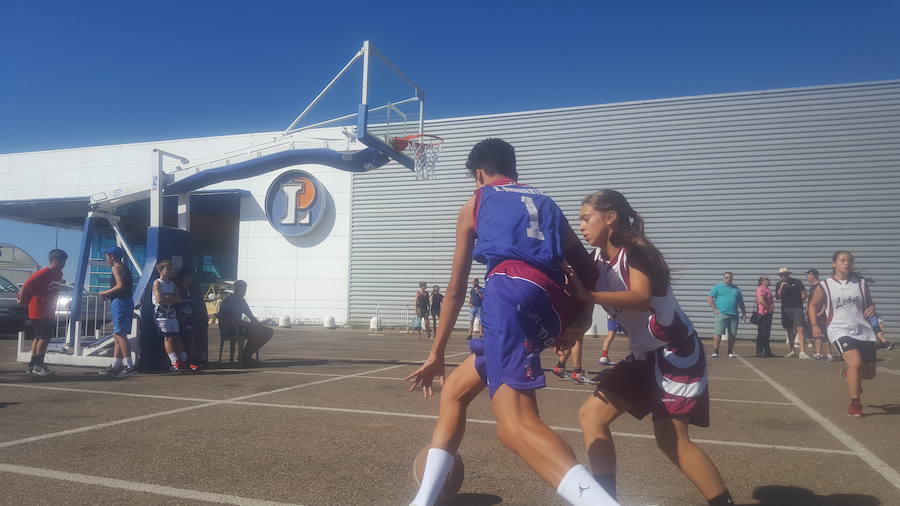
x: 744, y: 182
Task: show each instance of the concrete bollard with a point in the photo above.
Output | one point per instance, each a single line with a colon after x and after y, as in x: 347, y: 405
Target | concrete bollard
x: 476, y: 327
x: 285, y: 322
x: 592, y: 332
x: 374, y: 323
x: 329, y: 323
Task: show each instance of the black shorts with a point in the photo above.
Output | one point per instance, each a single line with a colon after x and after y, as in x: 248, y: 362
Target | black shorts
x: 43, y: 329
x: 792, y: 317
x: 847, y: 343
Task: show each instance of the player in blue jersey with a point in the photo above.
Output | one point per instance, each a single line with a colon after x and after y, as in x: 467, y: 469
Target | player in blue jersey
x: 523, y: 237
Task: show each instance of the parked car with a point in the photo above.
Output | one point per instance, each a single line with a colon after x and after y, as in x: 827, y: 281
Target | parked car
x: 12, y: 314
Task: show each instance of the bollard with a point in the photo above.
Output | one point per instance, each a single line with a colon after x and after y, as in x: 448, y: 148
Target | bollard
x: 476, y: 326
x: 285, y: 322
x: 374, y: 323
x: 329, y: 322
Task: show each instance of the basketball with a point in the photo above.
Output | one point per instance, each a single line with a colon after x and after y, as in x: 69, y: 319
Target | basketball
x: 454, y: 481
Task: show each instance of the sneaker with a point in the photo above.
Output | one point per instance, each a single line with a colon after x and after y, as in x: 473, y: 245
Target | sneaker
x: 606, y: 361
x: 125, y: 372
x: 110, y: 371
x: 581, y: 378
x: 809, y: 345
x: 828, y: 358
x: 182, y: 366
x: 42, y: 370
x: 29, y: 369
x: 818, y: 356
x: 174, y: 369
x: 890, y: 345
x: 469, y: 337
x: 714, y: 355
x: 803, y: 354
x: 732, y: 355
x: 855, y: 409
x: 791, y: 355
x: 560, y: 372
x: 195, y: 367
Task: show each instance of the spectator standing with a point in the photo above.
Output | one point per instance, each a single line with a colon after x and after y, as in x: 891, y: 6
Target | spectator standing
x: 476, y: 296
x: 725, y: 298
x: 184, y: 311
x: 39, y: 293
x: 812, y: 277
x: 792, y: 293
x: 121, y: 308
x: 422, y: 304
x: 231, y: 313
x: 435, y: 307
x: 765, y: 305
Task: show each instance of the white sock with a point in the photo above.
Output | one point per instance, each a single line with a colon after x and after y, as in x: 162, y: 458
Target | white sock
x: 182, y: 356
x: 117, y: 363
x: 580, y: 488
x: 173, y: 357
x: 128, y: 363
x: 438, y: 466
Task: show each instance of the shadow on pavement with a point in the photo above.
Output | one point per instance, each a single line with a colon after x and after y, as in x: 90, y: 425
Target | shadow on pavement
x: 472, y: 500
x: 4, y: 404
x: 778, y: 495
x: 886, y: 409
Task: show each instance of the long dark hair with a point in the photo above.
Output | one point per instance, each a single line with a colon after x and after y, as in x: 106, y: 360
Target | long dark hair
x: 628, y: 232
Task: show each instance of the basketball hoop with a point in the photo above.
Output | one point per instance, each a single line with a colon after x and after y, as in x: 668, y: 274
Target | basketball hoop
x: 424, y: 149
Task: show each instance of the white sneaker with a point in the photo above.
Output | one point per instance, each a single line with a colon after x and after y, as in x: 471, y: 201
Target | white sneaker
x: 791, y: 354
x: 818, y: 356
x: 809, y: 345
x: 732, y: 355
x: 829, y: 358
x: 803, y: 354
x: 605, y: 361
x: 42, y: 370
x: 714, y: 355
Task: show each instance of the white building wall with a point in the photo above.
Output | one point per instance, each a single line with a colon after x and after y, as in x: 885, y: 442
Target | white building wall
x: 301, y: 278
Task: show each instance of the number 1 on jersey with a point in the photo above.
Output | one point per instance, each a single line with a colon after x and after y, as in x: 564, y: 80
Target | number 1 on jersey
x: 534, y: 227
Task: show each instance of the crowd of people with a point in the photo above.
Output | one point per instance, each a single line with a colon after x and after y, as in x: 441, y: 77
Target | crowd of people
x: 173, y: 312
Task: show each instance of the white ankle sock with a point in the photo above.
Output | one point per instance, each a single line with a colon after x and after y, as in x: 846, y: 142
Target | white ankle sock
x: 580, y: 488
x: 438, y: 466
x: 173, y: 357
x: 128, y: 363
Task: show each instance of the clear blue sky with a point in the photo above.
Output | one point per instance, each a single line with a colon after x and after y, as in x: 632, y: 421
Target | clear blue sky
x: 106, y: 72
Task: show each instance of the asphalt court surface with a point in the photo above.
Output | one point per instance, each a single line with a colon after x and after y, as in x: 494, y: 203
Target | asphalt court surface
x: 326, y: 419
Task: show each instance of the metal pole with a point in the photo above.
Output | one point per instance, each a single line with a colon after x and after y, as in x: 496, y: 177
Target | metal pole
x: 156, y: 187
x: 323, y: 92
x: 365, y: 76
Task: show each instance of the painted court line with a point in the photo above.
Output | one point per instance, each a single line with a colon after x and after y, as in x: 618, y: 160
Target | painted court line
x: 208, y: 402
x: 133, y: 486
x: 880, y: 466
x: 888, y: 370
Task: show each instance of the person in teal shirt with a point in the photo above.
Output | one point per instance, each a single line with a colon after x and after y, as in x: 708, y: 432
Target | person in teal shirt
x: 725, y: 298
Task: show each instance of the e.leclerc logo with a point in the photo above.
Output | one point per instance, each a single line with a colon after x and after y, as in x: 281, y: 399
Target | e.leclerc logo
x: 295, y: 203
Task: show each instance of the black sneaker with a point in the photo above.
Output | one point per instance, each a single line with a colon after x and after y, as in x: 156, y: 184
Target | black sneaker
x: 109, y: 371
x: 125, y: 372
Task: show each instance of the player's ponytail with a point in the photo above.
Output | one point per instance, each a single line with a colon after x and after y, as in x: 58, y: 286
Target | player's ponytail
x: 628, y: 232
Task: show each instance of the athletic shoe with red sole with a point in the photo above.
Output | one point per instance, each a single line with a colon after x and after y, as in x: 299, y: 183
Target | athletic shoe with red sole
x: 855, y: 409
x: 561, y: 373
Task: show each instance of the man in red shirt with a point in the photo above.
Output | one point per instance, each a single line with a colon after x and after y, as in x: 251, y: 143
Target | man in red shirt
x: 39, y: 293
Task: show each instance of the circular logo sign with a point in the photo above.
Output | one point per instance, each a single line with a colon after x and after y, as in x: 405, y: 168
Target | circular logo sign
x: 295, y: 203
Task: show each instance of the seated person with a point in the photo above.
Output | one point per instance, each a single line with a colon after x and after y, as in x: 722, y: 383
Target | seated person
x: 231, y: 312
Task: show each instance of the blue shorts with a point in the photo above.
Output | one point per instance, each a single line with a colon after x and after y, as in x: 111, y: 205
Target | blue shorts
x: 122, y: 312
x: 612, y: 326
x: 475, y: 312
x: 521, y: 317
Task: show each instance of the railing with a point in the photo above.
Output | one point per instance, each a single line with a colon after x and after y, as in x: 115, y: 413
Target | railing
x: 94, y: 318
x: 393, y: 316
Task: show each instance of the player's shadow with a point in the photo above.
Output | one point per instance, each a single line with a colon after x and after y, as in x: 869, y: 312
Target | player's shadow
x: 471, y: 500
x: 4, y: 404
x: 886, y: 409
x: 779, y: 495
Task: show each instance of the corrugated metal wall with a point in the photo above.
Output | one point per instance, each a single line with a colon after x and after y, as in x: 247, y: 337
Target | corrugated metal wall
x: 744, y: 182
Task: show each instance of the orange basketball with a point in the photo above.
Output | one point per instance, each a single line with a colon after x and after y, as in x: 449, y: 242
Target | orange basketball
x: 454, y: 481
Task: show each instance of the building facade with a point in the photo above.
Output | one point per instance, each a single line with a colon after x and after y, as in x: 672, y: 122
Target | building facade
x: 742, y: 182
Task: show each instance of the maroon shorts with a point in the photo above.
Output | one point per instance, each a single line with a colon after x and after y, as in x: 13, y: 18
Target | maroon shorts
x: 670, y: 383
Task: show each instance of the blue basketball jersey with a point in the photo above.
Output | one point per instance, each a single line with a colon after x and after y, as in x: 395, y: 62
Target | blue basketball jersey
x: 518, y: 222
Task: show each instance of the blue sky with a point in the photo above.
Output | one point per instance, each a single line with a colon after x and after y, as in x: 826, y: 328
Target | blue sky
x: 106, y: 72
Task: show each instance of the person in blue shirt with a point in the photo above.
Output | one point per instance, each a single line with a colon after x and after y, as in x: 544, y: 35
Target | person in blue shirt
x: 523, y: 237
x: 725, y: 298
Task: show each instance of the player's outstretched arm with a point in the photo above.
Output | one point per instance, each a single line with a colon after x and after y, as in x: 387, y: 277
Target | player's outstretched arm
x: 637, y: 297
x: 585, y: 269
x: 453, y: 300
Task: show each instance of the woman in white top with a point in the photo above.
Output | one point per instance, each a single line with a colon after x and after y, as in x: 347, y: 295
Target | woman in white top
x: 665, y: 375
x: 848, y: 306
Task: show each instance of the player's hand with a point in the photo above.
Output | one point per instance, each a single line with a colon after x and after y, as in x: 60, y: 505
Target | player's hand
x: 869, y: 312
x: 574, y: 286
x: 424, y: 375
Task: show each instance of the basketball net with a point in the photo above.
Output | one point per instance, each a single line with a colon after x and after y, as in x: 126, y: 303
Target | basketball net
x: 424, y: 149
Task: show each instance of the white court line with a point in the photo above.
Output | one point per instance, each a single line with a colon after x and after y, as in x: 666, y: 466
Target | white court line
x: 887, y: 370
x: 133, y: 486
x: 579, y: 390
x: 415, y: 415
x: 880, y: 466
x: 721, y: 378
